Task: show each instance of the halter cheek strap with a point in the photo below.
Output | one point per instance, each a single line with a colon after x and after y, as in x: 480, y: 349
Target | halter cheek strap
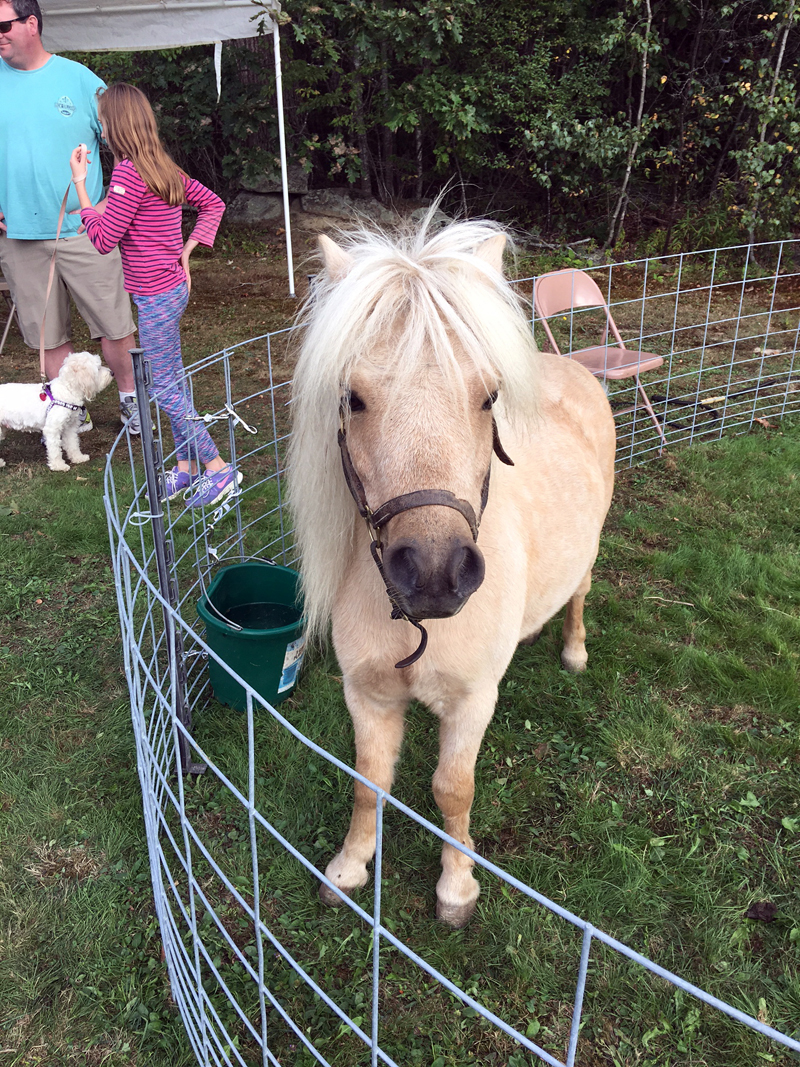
x: 419, y: 498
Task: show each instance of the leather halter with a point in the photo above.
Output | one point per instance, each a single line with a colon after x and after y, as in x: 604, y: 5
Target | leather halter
x: 419, y: 498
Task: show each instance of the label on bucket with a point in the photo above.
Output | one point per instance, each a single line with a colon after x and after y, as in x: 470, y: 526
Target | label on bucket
x: 291, y: 664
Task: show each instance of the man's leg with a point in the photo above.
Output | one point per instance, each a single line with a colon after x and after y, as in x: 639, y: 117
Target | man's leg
x: 26, y: 266
x: 117, y: 356
x: 54, y: 357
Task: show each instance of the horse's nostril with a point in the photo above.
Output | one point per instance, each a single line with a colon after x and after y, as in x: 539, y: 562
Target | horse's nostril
x: 402, y: 567
x: 469, y: 570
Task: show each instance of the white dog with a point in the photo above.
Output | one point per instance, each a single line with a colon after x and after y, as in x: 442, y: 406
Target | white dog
x: 56, y: 409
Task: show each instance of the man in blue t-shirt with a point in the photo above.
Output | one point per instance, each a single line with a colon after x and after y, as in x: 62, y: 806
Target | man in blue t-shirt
x: 48, y: 104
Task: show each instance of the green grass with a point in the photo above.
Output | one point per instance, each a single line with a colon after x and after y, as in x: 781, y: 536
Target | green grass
x: 657, y: 795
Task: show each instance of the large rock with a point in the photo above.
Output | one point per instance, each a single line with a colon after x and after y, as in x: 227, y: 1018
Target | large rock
x: 339, y: 204
x: 296, y: 180
x: 253, y: 207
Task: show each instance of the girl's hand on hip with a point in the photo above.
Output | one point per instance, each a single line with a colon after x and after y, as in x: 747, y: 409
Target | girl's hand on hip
x: 185, y: 264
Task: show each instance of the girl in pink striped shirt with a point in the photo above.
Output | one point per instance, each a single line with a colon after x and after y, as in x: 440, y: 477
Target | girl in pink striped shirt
x: 143, y: 216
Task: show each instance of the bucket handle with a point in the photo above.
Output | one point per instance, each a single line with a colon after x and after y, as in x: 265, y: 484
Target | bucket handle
x: 240, y: 559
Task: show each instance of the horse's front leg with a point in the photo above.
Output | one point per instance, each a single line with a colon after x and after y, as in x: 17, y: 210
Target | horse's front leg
x: 463, y: 725
x: 378, y: 726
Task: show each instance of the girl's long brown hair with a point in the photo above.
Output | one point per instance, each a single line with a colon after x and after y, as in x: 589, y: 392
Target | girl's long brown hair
x: 129, y: 127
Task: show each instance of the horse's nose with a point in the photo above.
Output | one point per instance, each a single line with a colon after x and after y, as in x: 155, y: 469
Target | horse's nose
x: 433, y: 581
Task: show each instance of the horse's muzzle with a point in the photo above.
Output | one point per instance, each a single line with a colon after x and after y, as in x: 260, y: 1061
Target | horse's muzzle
x: 433, y: 581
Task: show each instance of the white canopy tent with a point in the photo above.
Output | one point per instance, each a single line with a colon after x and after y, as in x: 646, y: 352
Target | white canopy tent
x: 141, y: 25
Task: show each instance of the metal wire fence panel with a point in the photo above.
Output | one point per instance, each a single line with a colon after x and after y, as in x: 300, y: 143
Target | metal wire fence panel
x: 250, y: 983
x: 727, y: 324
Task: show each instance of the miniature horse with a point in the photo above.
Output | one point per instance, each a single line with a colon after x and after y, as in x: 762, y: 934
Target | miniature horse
x: 483, y: 470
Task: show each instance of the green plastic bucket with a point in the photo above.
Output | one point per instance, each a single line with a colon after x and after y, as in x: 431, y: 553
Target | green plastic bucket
x: 264, y: 600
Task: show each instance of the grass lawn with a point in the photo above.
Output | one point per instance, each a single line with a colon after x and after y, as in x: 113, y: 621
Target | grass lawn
x: 657, y: 796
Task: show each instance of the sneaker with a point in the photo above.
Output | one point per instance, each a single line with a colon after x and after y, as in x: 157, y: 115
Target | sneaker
x: 86, y: 422
x: 177, y: 481
x: 129, y: 413
x: 214, y: 485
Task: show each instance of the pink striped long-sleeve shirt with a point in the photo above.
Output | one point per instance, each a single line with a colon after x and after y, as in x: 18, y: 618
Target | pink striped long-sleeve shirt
x: 148, y: 231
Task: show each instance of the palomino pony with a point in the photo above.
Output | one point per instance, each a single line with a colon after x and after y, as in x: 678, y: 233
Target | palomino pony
x: 421, y: 405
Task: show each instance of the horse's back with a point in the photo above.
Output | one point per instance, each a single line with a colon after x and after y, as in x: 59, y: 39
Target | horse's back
x: 572, y: 402
x: 569, y: 442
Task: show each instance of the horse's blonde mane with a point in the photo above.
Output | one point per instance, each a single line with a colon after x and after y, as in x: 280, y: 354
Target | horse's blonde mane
x: 428, y: 291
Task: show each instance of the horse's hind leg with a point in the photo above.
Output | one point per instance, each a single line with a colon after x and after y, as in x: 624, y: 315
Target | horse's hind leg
x: 462, y: 728
x: 573, y: 655
x: 379, y: 735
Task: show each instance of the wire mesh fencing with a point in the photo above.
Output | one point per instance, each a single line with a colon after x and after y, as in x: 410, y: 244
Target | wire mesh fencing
x: 237, y: 806
x: 726, y: 323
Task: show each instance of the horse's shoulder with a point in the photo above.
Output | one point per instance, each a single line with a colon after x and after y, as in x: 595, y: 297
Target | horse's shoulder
x: 562, y: 379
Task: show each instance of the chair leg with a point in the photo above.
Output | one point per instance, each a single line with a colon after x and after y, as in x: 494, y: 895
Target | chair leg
x: 652, y: 414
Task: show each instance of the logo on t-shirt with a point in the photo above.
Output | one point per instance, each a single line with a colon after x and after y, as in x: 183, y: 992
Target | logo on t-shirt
x: 65, y: 107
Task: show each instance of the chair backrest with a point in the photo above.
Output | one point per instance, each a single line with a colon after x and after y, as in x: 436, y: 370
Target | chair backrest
x: 563, y: 290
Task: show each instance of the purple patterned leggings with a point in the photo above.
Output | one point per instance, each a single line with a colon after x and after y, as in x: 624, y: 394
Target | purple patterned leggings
x: 160, y: 337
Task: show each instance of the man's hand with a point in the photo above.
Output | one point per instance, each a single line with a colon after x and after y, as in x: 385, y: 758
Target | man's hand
x: 3, y: 226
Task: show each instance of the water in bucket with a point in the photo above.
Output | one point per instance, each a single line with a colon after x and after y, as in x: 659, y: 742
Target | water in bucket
x: 267, y: 652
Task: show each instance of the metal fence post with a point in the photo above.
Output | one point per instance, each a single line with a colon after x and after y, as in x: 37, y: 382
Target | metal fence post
x: 152, y: 459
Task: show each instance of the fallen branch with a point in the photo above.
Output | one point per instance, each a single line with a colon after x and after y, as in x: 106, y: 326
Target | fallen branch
x: 686, y: 603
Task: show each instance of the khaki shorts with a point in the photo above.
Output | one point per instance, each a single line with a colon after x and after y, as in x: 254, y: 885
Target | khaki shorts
x: 93, y: 281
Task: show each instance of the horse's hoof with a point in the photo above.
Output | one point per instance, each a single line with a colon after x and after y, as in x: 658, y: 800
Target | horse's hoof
x: 331, y: 899
x: 454, y: 915
x: 574, y: 664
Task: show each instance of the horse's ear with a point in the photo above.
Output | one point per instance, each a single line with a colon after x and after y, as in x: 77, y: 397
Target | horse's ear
x: 337, y: 261
x: 491, y: 251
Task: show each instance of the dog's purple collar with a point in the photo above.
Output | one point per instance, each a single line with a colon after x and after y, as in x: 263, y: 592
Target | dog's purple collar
x: 47, y: 395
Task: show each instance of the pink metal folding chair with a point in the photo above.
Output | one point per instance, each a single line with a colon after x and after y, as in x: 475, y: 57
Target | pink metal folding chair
x: 566, y: 289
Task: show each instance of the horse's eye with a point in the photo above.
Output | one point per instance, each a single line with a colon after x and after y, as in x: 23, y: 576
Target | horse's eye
x: 489, y: 402
x: 355, y: 403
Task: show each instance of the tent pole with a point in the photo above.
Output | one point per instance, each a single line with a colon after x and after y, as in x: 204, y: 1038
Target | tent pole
x: 284, y: 170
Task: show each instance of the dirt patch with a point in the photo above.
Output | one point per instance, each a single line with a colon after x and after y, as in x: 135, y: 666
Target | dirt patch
x: 52, y: 863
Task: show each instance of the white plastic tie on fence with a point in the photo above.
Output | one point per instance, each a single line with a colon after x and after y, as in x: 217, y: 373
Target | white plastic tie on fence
x: 230, y: 413
x: 224, y: 508
x: 141, y: 518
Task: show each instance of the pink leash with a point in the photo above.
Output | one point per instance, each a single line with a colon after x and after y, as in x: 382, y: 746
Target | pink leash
x: 62, y: 212
x: 51, y: 275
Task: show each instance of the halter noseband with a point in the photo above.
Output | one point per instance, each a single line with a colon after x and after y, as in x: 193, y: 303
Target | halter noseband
x: 419, y: 498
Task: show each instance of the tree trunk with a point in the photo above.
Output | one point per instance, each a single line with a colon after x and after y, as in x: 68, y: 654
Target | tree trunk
x: 387, y: 139
x: 618, y: 217
x: 763, y: 133
x: 365, y: 182
x: 418, y: 146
